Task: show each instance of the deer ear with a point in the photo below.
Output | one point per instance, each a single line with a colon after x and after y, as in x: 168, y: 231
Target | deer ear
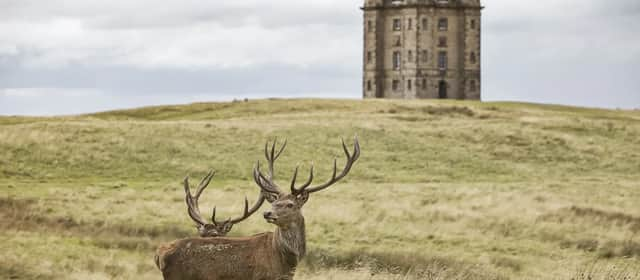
x: 271, y: 197
x: 302, y: 198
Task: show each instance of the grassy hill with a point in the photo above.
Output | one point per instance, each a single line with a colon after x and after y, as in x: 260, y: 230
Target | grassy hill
x: 457, y: 190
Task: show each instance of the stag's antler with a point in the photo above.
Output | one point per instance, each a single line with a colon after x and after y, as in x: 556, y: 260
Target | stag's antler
x: 216, y: 228
x: 351, y: 159
x: 267, y: 184
x: 192, y: 202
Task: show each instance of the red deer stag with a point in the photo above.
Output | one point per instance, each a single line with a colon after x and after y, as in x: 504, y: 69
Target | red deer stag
x: 215, y: 228
x: 266, y: 256
x: 205, y: 230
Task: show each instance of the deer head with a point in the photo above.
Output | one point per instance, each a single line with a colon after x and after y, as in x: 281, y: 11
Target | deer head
x: 215, y: 228
x: 286, y: 207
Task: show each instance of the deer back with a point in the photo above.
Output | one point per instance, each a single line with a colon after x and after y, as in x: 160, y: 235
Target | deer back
x: 221, y: 258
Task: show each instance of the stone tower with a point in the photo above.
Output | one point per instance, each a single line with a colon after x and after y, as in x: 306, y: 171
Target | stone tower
x: 422, y: 49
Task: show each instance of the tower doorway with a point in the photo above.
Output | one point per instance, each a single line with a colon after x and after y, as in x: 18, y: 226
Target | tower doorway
x: 442, y: 90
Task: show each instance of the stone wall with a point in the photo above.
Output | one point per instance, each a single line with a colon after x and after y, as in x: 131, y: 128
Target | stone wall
x: 410, y: 30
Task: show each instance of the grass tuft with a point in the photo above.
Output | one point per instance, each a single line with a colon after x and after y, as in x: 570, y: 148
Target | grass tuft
x: 596, y: 271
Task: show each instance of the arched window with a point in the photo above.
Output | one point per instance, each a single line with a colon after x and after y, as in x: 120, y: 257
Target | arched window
x: 443, y: 24
x: 397, y: 24
x: 442, y: 60
x: 472, y: 85
x: 425, y: 56
x: 473, y: 58
x: 396, y: 60
x: 369, y: 85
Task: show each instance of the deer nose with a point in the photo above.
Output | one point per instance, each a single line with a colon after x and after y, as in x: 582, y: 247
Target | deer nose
x: 267, y: 214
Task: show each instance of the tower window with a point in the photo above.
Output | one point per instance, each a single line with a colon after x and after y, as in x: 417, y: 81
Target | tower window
x: 396, y: 60
x: 410, y: 24
x: 410, y: 56
x: 369, y: 57
x: 395, y: 85
x: 443, y: 24
x: 409, y: 85
x: 424, y: 83
x: 472, y: 85
x: 369, y: 85
x: 425, y: 23
x: 442, y: 42
x: 473, y: 24
x: 442, y: 60
x: 425, y: 55
x: 369, y: 26
x: 397, y: 24
x: 473, y: 58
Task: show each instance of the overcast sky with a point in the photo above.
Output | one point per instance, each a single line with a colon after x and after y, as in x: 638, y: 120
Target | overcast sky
x: 73, y: 56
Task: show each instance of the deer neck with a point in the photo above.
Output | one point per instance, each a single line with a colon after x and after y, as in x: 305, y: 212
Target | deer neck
x: 290, y: 242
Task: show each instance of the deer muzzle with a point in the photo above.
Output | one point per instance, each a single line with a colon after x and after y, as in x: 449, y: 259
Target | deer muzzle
x: 270, y: 217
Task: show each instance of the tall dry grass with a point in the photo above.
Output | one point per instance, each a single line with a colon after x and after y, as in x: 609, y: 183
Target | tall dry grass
x: 444, y: 190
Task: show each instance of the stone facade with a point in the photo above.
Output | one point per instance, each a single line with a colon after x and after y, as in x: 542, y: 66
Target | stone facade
x: 422, y: 49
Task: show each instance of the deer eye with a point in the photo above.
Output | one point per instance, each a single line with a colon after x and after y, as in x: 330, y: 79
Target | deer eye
x: 289, y: 205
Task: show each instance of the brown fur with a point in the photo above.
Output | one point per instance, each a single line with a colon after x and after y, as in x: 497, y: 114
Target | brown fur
x: 266, y: 256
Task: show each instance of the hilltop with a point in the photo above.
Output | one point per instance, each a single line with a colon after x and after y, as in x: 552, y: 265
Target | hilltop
x: 511, y: 190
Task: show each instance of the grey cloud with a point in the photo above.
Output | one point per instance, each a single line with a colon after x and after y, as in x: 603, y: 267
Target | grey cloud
x: 62, y: 91
x: 617, y: 8
x: 133, y: 53
x: 265, y: 79
x: 276, y: 17
x: 590, y: 84
x: 144, y: 14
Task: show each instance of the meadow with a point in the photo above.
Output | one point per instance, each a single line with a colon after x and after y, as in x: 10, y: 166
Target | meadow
x: 443, y: 189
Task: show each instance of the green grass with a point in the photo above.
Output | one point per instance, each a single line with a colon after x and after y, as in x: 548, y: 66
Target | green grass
x: 443, y: 190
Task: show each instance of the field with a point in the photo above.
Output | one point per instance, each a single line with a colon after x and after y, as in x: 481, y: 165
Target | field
x: 443, y: 189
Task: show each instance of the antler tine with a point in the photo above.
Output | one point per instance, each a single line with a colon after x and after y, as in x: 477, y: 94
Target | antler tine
x: 192, y: 207
x: 248, y: 212
x: 284, y: 145
x: 272, y: 156
x: 213, y: 216
x: 351, y: 159
x: 204, y: 183
x: 295, y: 190
x: 293, y: 180
x: 263, y: 182
x: 267, y: 155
